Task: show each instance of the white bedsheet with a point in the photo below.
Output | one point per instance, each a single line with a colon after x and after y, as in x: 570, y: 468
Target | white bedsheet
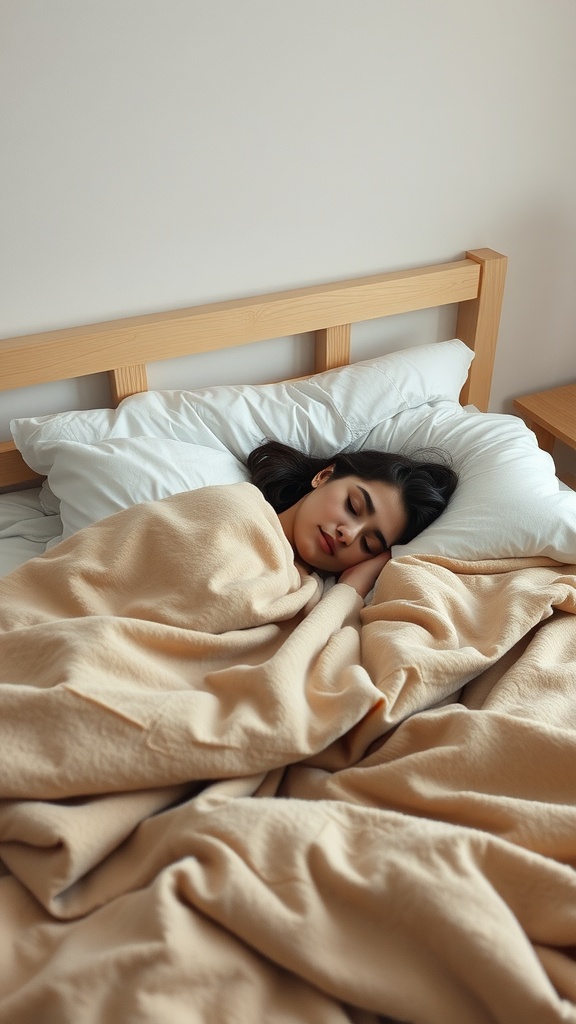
x: 25, y: 529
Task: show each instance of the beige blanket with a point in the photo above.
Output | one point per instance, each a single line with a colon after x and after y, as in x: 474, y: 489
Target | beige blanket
x: 223, y: 800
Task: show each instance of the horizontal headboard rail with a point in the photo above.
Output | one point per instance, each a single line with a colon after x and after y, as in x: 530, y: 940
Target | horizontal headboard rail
x: 77, y: 351
x: 124, y: 347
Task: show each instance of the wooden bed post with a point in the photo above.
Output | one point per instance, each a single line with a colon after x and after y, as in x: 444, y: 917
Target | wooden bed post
x: 477, y: 325
x: 127, y: 380
x: 331, y: 347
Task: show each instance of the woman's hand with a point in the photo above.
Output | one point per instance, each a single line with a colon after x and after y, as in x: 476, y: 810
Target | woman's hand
x: 363, y: 575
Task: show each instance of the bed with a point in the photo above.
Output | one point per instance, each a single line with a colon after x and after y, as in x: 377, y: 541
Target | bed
x: 225, y: 800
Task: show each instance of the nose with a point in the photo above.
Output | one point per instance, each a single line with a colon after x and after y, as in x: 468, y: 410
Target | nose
x: 347, y: 533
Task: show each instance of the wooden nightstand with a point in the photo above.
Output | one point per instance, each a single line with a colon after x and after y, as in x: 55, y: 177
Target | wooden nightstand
x: 552, y: 416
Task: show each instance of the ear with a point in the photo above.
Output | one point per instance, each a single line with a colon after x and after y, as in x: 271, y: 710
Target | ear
x: 323, y: 476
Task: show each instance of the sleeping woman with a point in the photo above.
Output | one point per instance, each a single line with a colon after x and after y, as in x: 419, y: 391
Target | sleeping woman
x: 184, y: 639
x: 343, y: 517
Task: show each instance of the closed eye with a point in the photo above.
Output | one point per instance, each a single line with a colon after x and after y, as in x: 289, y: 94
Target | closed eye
x: 371, y: 551
x: 379, y: 536
x: 378, y: 543
x: 373, y: 547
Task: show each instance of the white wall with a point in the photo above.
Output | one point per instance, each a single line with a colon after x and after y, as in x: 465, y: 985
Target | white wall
x: 159, y: 153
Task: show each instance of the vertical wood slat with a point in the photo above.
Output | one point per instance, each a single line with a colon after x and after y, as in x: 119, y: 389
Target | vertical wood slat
x: 332, y: 347
x: 13, y: 470
x: 478, y: 323
x: 127, y: 380
x: 124, y: 381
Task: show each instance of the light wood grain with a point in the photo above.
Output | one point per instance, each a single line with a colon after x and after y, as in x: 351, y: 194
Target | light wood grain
x: 551, y: 414
x: 122, y: 348
x: 332, y: 348
x: 13, y: 470
x: 127, y: 380
x: 96, y: 348
x: 478, y: 324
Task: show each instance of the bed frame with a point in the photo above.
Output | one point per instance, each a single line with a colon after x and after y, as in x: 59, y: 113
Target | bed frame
x: 122, y: 348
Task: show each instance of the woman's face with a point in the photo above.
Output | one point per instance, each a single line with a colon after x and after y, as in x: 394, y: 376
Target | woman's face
x: 344, y: 521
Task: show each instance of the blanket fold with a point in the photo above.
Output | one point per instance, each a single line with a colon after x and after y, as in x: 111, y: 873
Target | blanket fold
x: 225, y: 798
x: 169, y: 669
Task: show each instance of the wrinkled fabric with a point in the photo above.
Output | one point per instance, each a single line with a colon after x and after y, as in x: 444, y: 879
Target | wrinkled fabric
x: 224, y: 800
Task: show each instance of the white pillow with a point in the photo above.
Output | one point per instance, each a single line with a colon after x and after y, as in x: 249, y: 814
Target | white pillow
x: 324, y: 413
x: 507, y: 503
x: 158, y: 443
x: 92, y: 481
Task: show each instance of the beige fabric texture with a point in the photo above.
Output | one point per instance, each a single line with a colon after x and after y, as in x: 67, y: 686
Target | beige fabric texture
x: 224, y: 800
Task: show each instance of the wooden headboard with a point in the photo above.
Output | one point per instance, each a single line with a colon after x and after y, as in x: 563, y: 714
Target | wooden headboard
x: 123, y: 347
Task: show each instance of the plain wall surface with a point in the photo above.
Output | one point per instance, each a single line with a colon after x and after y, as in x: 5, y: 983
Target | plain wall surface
x: 162, y: 153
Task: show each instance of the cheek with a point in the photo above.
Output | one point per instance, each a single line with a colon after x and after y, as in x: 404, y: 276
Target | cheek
x: 301, y: 532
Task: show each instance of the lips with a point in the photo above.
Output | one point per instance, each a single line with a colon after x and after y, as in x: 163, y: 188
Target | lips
x: 326, y: 542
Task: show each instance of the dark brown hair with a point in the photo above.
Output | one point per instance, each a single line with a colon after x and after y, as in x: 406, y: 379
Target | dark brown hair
x: 284, y: 475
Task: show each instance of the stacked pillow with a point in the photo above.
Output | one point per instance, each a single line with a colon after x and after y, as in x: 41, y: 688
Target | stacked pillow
x: 508, y: 501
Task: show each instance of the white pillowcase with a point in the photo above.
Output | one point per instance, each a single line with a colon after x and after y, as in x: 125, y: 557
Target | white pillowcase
x: 94, y: 481
x: 324, y: 413
x: 507, y: 503
x: 159, y: 443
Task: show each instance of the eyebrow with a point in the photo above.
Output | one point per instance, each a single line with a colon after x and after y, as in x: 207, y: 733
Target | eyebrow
x: 371, y: 510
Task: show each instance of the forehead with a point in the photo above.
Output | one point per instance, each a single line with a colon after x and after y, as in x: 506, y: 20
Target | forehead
x: 378, y: 491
